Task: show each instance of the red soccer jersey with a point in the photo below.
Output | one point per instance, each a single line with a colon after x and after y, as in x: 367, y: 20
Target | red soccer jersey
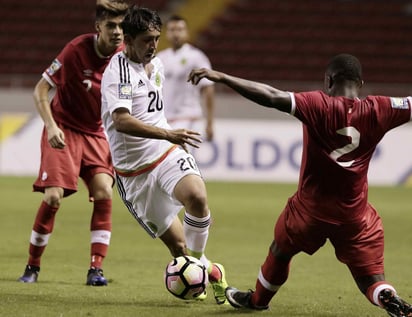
x: 339, y: 137
x: 76, y: 73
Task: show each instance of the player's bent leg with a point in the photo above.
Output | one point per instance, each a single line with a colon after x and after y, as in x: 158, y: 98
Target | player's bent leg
x: 191, y: 192
x: 174, y: 239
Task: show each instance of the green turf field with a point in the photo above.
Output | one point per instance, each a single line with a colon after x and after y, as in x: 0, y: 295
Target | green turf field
x: 243, y: 217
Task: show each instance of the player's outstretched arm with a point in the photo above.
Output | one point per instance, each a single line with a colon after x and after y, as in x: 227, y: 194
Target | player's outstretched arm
x: 260, y: 93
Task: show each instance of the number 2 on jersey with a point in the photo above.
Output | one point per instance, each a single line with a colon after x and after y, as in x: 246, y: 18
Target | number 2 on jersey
x: 354, y: 134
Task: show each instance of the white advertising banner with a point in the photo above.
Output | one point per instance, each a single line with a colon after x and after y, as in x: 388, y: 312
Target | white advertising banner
x: 243, y: 150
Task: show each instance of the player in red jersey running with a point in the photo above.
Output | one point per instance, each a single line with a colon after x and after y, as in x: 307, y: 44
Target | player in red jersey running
x: 73, y: 142
x: 340, y: 134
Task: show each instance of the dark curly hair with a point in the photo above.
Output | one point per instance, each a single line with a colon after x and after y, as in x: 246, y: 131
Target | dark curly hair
x: 344, y: 67
x: 139, y: 19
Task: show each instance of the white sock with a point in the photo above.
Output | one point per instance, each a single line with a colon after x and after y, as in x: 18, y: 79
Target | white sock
x: 196, y: 232
x: 378, y: 289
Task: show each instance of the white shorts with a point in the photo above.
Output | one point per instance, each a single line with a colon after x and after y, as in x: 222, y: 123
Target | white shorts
x: 149, y: 197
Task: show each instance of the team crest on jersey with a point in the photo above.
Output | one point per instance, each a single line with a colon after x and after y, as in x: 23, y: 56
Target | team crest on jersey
x: 399, y: 103
x: 158, y: 80
x: 125, y: 91
x: 54, y: 67
x: 183, y: 61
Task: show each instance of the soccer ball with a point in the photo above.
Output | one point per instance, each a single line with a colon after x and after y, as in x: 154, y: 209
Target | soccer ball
x: 186, y: 277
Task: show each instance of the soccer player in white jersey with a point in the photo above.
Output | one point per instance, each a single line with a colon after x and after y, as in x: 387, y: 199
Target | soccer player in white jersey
x: 156, y: 177
x: 186, y: 105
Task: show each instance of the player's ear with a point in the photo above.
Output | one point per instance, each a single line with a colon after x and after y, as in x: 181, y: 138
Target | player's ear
x: 331, y: 82
x: 328, y: 81
x: 97, y: 26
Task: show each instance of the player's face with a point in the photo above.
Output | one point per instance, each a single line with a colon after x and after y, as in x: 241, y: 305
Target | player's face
x: 176, y: 33
x: 143, y: 47
x: 110, y: 34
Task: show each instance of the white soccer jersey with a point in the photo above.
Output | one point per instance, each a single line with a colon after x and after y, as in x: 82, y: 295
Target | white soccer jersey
x: 182, y: 99
x: 125, y: 84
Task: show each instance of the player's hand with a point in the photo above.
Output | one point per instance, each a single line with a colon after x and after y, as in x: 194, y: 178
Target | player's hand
x: 198, y: 73
x: 184, y: 137
x: 56, y: 137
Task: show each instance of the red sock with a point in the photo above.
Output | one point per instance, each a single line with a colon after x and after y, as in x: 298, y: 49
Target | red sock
x: 43, y: 224
x: 102, y: 215
x: 101, y: 220
x: 275, y: 272
x: 96, y: 261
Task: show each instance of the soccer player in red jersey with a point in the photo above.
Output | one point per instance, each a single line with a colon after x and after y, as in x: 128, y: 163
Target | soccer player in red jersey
x: 73, y: 142
x: 340, y: 134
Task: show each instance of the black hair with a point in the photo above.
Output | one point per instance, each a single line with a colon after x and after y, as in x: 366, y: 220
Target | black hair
x: 139, y: 19
x: 344, y: 67
x: 110, y: 8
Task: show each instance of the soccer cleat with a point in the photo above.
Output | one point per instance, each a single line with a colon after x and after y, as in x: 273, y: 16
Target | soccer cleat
x: 220, y: 285
x: 394, y: 305
x: 240, y: 299
x: 95, y: 277
x: 30, y: 274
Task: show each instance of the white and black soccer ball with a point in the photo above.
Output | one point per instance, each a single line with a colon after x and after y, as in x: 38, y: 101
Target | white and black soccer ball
x: 186, y: 277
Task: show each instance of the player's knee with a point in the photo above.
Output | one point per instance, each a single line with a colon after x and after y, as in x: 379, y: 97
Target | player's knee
x: 103, y: 192
x: 53, y: 196
x: 197, y: 202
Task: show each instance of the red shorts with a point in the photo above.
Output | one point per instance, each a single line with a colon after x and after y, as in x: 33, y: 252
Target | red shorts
x: 359, y: 245
x: 83, y: 156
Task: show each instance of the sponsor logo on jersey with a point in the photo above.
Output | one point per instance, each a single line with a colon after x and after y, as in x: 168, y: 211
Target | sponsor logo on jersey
x: 54, y: 67
x: 140, y: 83
x: 125, y: 91
x: 399, y: 103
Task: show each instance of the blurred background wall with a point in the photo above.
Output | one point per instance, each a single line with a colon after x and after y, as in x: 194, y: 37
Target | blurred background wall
x: 283, y: 43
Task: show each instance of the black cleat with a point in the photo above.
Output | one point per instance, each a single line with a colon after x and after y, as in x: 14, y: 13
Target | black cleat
x: 240, y: 299
x: 394, y: 305
x: 95, y: 277
x: 30, y: 274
